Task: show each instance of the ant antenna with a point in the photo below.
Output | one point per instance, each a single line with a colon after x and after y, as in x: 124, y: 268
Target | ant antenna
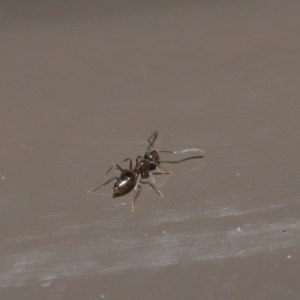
x: 181, y: 152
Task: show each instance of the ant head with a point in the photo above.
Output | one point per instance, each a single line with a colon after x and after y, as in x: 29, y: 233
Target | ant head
x: 152, y: 156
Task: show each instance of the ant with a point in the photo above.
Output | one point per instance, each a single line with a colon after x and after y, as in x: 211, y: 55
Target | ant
x: 145, y: 167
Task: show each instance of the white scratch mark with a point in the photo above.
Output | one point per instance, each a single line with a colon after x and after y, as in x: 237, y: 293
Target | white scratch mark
x: 52, y: 216
x: 68, y: 254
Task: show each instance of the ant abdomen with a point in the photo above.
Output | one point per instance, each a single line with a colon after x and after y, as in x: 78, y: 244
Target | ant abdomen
x: 124, y: 184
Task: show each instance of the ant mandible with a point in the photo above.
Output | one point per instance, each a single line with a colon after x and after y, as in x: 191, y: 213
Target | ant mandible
x: 144, y: 168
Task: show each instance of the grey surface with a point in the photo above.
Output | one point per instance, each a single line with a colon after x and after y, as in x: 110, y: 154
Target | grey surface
x: 83, y: 85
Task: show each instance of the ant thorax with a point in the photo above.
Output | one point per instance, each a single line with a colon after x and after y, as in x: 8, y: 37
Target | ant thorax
x: 153, y: 157
x: 143, y: 168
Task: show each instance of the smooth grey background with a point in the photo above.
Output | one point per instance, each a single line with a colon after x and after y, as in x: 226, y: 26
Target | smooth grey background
x: 83, y: 85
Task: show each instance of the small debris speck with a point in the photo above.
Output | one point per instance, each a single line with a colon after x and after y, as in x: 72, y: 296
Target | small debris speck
x: 45, y: 284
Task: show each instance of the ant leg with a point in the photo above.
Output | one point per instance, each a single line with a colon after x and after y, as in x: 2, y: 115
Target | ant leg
x: 152, y: 178
x: 134, y: 193
x: 130, y: 163
x: 158, y: 166
x: 137, y: 159
x: 154, y: 184
x: 152, y: 137
x: 154, y: 187
x: 114, y: 166
x: 101, y: 186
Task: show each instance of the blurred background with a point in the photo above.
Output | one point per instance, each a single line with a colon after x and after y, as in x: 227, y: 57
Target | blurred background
x: 84, y: 84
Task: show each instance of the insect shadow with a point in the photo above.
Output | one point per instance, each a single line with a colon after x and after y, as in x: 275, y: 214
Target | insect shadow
x: 145, y: 167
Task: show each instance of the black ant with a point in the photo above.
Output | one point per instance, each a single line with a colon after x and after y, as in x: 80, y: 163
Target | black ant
x: 144, y: 168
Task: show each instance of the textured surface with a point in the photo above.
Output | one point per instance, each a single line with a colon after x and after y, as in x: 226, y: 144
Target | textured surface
x: 83, y: 85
